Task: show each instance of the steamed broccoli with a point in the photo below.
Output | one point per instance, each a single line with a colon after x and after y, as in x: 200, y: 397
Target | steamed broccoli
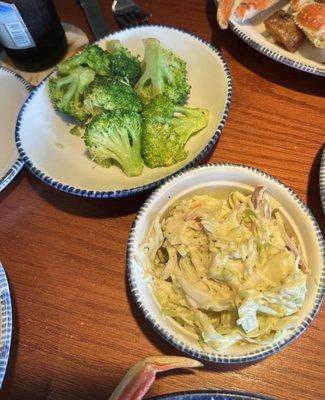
x: 66, y: 92
x: 166, y: 128
x: 106, y: 94
x: 163, y: 73
x: 123, y: 63
x: 92, y: 56
x: 75, y: 130
x: 116, y: 136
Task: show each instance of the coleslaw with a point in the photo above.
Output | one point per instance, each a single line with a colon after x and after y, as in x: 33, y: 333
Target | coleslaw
x: 226, y: 270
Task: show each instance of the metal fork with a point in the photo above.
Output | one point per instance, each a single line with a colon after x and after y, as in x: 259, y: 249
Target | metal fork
x: 128, y: 13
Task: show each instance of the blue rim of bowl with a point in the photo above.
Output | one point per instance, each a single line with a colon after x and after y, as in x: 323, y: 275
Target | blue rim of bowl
x: 322, y: 179
x: 17, y: 166
x: 6, y: 323
x: 137, y: 190
x: 274, y: 55
x: 217, y: 394
x: 221, y: 358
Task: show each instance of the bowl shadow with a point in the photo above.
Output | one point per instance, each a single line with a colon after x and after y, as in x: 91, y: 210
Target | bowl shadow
x: 260, y: 64
x: 6, y: 191
x: 87, y: 207
x: 91, y: 207
x: 313, y: 191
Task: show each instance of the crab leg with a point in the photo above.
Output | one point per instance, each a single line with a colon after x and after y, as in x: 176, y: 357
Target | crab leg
x: 224, y: 11
x: 249, y: 8
x: 296, y: 5
x: 258, y: 195
x: 293, y: 248
x: 141, y: 376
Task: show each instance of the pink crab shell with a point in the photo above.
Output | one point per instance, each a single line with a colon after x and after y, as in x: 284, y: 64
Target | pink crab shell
x: 311, y: 19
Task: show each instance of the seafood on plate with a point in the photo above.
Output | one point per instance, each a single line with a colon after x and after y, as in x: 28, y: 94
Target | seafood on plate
x: 242, y: 11
x: 282, y: 27
x: 308, y: 15
x: 141, y: 376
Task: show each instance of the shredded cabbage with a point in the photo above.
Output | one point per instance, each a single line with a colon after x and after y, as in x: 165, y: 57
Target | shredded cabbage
x: 226, y: 269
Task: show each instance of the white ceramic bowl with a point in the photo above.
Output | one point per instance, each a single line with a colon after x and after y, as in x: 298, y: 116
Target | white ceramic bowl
x: 14, y: 91
x: 5, y: 323
x: 206, y: 180
x: 322, y: 179
x: 60, y: 159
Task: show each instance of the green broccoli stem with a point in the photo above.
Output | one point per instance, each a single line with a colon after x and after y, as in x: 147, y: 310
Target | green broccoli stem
x: 91, y: 56
x: 113, y: 45
x: 127, y: 154
x: 188, y: 111
x: 133, y: 166
x: 65, y: 80
x: 72, y: 92
x: 76, y: 81
x: 188, y: 121
x: 130, y: 157
x: 156, y: 67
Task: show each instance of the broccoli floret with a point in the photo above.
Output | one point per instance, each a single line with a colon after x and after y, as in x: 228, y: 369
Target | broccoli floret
x: 75, y: 131
x: 106, y: 94
x: 161, y: 147
x: 166, y: 128
x: 160, y: 106
x: 66, y: 92
x: 123, y: 63
x: 92, y: 56
x: 116, y: 136
x: 163, y: 73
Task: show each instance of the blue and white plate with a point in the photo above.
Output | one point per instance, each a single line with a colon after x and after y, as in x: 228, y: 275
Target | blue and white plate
x: 60, y: 159
x: 307, y: 58
x: 6, y: 323
x: 14, y: 91
x: 225, y: 178
x: 212, y: 395
x: 322, y: 179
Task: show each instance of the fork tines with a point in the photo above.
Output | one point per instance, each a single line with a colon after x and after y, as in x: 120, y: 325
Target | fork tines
x: 129, y: 15
x: 132, y: 18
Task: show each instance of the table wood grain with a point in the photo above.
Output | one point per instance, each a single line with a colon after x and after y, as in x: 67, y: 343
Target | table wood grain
x: 76, y: 328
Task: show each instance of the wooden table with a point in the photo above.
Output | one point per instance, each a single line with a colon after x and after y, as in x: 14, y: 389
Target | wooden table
x: 76, y: 327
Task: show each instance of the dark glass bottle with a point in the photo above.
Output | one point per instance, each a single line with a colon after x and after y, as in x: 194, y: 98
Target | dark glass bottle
x: 31, y: 33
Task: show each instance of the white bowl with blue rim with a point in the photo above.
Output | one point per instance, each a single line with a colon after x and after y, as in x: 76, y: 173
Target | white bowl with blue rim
x: 5, y: 323
x: 14, y: 91
x: 211, y: 394
x: 322, y: 179
x: 209, y: 179
x: 60, y: 159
